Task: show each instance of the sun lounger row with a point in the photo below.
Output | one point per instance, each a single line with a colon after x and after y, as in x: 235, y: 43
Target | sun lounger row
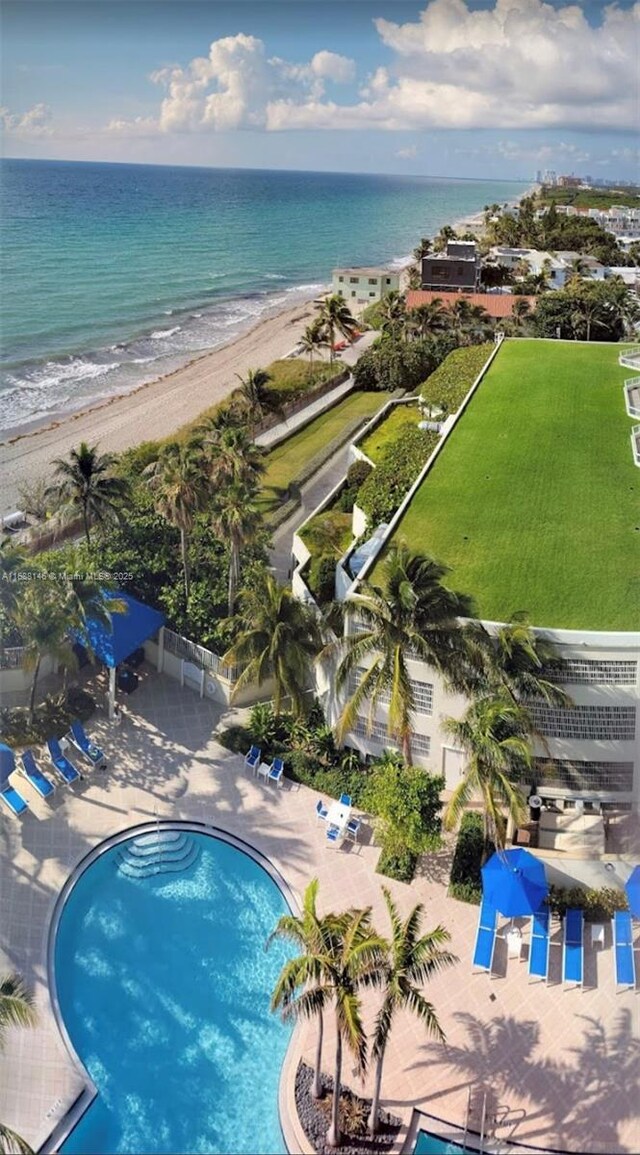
x: 623, y: 949
x: 62, y: 765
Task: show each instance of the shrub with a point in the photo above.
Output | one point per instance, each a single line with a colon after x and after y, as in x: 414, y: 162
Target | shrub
x: 385, y: 487
x: 393, y: 364
x: 598, y: 905
x: 447, y: 387
x: 465, y: 882
x: 357, y: 474
x: 263, y: 725
x: 52, y: 718
x: 400, y: 865
x: 405, y: 801
x: 322, y: 578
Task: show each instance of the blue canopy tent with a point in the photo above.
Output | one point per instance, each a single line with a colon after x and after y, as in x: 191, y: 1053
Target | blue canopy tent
x: 514, y: 882
x: 128, y: 632
x: 632, y: 887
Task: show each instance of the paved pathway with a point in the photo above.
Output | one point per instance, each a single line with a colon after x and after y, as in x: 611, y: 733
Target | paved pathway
x: 312, y: 494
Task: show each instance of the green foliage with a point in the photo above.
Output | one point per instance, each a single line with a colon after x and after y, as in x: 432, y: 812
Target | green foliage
x: 357, y: 474
x: 394, y: 364
x: 589, y: 198
x: 398, y: 419
x: 132, y: 462
x: 585, y: 310
x: 599, y: 905
x: 406, y: 803
x: 447, y: 387
x: 398, y: 864
x: 322, y: 578
x: 399, y: 467
x: 372, y: 315
x: 465, y: 882
x: 290, y: 378
x: 263, y: 724
x: 52, y: 718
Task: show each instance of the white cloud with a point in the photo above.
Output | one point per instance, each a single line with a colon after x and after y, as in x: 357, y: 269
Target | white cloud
x: 522, y: 64
x: 409, y: 153
x: 36, y: 121
x: 139, y: 126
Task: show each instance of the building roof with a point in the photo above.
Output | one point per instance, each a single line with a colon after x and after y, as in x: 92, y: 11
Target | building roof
x: 128, y: 631
x: 495, y: 304
x: 364, y: 271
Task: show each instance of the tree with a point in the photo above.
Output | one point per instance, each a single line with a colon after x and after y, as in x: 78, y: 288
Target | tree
x: 411, y: 614
x: 520, y: 661
x: 303, y: 987
x: 87, y: 484
x: 336, y: 317
x: 230, y: 455
x: 431, y: 317
x: 178, y: 482
x: 255, y: 396
x: 411, y: 959
x: 495, y: 735
x: 423, y: 249
x: 235, y: 518
x: 44, y: 627
x: 17, y: 1009
x: 520, y: 311
x: 279, y: 638
x: 313, y: 338
x: 447, y: 233
x: 12, y: 563
x: 406, y: 803
x: 393, y: 313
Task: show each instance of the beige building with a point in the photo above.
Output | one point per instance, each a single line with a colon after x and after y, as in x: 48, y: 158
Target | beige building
x: 365, y: 286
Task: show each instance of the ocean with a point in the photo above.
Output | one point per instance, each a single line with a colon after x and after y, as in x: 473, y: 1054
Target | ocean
x: 115, y: 274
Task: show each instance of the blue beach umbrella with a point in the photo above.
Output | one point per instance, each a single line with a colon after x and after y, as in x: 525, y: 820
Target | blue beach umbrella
x: 7, y: 762
x: 632, y: 887
x: 514, y: 882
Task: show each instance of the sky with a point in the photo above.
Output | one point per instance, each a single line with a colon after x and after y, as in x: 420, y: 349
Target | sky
x: 468, y: 88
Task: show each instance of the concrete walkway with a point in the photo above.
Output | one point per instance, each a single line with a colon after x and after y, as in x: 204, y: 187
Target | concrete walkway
x: 312, y: 494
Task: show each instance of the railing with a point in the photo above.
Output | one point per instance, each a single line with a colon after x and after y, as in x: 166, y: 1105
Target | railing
x: 630, y: 386
x: 629, y: 360
x: 635, y: 443
x: 199, y: 655
x: 12, y: 657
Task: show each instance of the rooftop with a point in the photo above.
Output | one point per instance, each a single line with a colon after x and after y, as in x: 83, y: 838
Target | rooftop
x: 495, y: 304
x: 533, y: 502
x: 366, y: 271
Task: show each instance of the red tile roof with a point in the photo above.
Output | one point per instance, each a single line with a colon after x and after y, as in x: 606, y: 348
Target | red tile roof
x: 495, y: 304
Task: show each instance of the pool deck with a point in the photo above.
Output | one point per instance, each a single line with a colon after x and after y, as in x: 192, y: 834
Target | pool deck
x: 564, y: 1064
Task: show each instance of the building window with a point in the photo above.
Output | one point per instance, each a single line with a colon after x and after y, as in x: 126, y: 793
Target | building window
x: 341, y: 279
x: 353, y: 280
x: 353, y: 293
x: 561, y: 774
x: 592, y: 672
x: 373, y: 294
x: 373, y: 280
x: 387, y: 280
x: 422, y: 693
x: 594, y: 723
x: 377, y: 732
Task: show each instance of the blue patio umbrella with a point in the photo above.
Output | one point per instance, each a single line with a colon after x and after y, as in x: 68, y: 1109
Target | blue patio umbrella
x: 7, y: 762
x: 632, y: 887
x: 514, y: 882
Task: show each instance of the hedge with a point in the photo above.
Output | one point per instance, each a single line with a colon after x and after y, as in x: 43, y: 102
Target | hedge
x: 465, y: 880
x: 384, y: 489
x: 448, y: 386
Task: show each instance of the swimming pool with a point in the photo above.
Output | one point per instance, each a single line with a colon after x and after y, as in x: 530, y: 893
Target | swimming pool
x: 428, y: 1144
x: 163, y: 984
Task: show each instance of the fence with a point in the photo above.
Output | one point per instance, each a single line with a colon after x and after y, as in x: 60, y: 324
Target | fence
x: 198, y: 655
x: 11, y: 658
x: 290, y: 408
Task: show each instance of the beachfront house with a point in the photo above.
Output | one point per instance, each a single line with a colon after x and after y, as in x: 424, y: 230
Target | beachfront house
x: 457, y: 268
x: 364, y: 286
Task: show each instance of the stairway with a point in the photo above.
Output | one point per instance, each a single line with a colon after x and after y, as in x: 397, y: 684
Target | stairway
x: 159, y: 852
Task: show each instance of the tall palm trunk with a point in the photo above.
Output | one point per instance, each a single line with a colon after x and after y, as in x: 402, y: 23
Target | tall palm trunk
x: 185, y: 561
x: 407, y: 752
x: 32, y: 699
x: 234, y: 574
x: 332, y: 337
x: 375, y: 1102
x: 85, y: 522
x: 316, y: 1090
x: 333, y: 1134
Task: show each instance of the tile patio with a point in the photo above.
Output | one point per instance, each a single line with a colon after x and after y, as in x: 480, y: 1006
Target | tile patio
x: 564, y: 1064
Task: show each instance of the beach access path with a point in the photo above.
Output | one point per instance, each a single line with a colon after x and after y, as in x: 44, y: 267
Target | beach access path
x: 152, y: 411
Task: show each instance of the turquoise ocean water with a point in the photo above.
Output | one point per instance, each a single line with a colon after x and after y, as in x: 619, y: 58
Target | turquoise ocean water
x: 115, y: 274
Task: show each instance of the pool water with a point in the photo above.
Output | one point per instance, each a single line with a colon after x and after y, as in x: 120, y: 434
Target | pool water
x: 433, y: 1145
x: 164, y: 986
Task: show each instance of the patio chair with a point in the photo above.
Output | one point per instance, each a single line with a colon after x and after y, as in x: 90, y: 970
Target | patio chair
x: 623, y: 949
x: 13, y: 799
x: 80, y: 740
x: 485, y: 937
x: 573, y: 947
x: 321, y: 811
x: 276, y: 771
x: 34, y: 775
x: 252, y: 758
x: 345, y: 800
x: 333, y: 835
x: 539, y: 948
x: 67, y: 771
x: 353, y: 828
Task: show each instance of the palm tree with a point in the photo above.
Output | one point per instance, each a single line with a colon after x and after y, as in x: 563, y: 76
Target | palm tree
x: 235, y: 518
x: 44, y: 627
x: 313, y: 338
x: 302, y: 988
x: 179, y: 484
x: 336, y: 317
x: 521, y: 660
x: 411, y: 614
x: 254, y: 394
x: 393, y: 314
x: 230, y: 454
x: 411, y: 958
x: 16, y: 1010
x: 495, y: 735
x: 12, y: 562
x: 279, y: 638
x: 87, y: 484
x: 520, y: 311
x: 429, y: 318
x: 447, y: 233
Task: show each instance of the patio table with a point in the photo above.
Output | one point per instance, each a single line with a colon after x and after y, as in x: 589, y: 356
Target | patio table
x: 514, y: 943
x: 263, y: 770
x: 338, y: 815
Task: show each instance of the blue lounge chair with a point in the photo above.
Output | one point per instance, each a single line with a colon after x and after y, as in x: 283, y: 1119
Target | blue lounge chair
x: 276, y: 771
x: 13, y: 799
x: 34, y: 775
x: 65, y: 768
x: 253, y: 757
x: 321, y: 810
x: 539, y: 948
x: 353, y: 828
x: 82, y: 743
x: 345, y: 800
x: 333, y: 834
x: 623, y: 949
x: 573, y: 947
x: 485, y: 937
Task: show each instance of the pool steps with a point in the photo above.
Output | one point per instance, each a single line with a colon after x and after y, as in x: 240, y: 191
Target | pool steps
x: 159, y: 852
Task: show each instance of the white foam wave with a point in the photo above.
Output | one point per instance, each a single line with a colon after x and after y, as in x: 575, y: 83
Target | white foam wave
x: 158, y: 334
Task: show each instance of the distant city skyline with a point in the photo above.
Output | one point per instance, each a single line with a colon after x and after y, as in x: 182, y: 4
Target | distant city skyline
x: 466, y: 88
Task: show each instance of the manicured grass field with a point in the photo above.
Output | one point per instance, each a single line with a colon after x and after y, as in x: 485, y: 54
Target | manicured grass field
x: 534, y: 502
x: 288, y: 460
x: 401, y: 417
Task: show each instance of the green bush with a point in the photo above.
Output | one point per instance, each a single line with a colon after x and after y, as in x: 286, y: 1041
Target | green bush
x: 357, y: 474
x: 599, y: 905
x: 465, y: 881
x: 400, y: 865
x: 322, y: 578
x: 405, y: 801
x: 385, y: 487
x: 448, y: 386
x: 52, y: 718
x: 393, y: 364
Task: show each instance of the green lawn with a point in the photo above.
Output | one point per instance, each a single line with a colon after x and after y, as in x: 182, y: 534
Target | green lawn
x: 401, y: 417
x: 534, y: 501
x: 290, y: 459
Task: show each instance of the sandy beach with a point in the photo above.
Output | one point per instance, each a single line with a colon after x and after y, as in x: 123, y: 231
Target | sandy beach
x: 154, y: 410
